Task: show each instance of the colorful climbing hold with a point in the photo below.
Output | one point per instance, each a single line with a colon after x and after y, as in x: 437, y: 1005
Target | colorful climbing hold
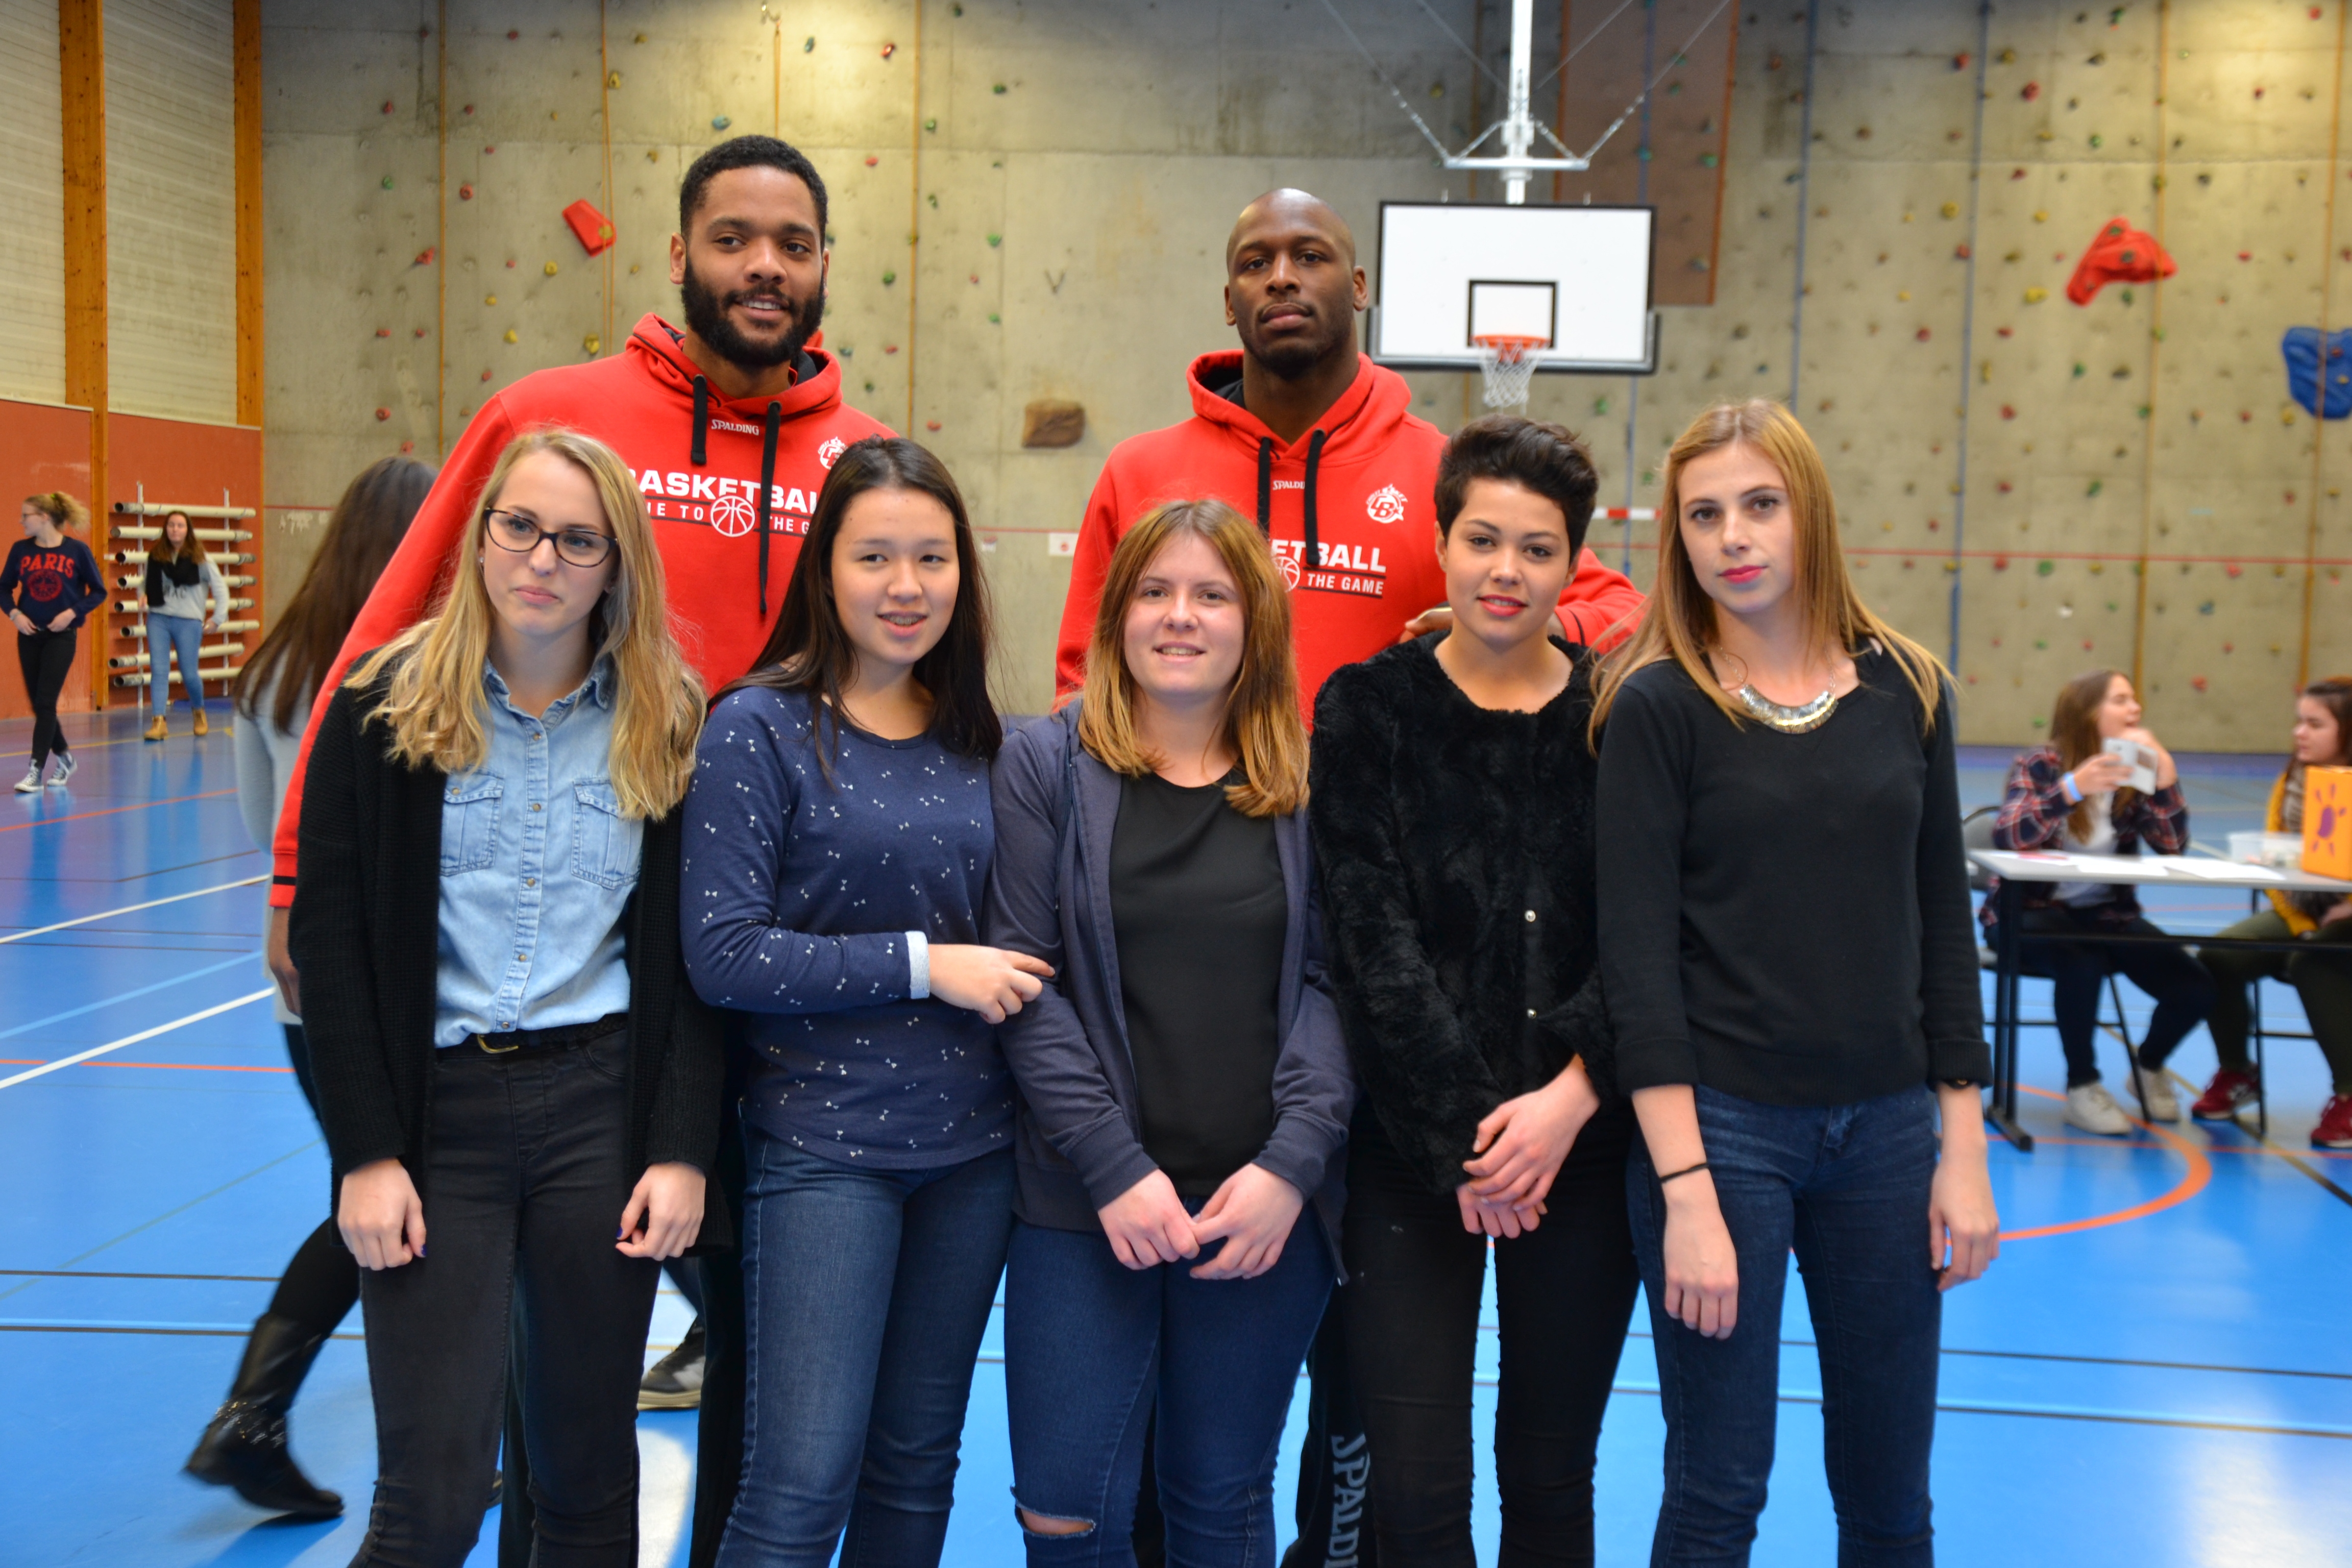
x: 2007, y: 412
x: 593, y: 344
x: 387, y: 181
x: 549, y: 268
x: 1950, y: 209
x: 486, y: 375
x: 720, y: 121
x: 930, y: 424
x: 889, y: 50
x: 466, y: 193
x: 808, y: 45
x: 2043, y: 568
x: 383, y: 332
x: 871, y: 159
x: 1923, y: 334
x: 424, y: 257
x: 888, y: 279
x: 2035, y: 296
x: 2096, y: 486
x: 381, y: 414
x: 998, y: 90
x: 994, y: 240
x: 513, y: 336
x: 2030, y: 91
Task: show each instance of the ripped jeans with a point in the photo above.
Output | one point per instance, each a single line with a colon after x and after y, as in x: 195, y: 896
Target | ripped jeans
x: 1094, y: 1349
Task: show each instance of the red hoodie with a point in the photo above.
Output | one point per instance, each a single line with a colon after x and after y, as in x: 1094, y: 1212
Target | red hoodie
x: 1365, y: 476
x: 699, y: 461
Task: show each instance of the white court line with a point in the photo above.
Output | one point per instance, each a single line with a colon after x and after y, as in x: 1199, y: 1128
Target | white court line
x: 126, y: 910
x: 134, y: 1039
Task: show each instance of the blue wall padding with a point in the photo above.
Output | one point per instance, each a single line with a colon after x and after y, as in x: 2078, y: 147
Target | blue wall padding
x: 2302, y: 346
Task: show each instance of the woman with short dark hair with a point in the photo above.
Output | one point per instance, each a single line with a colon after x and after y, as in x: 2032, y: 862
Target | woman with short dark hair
x: 1456, y: 831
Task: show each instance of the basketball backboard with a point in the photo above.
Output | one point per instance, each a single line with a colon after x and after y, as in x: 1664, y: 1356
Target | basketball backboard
x: 1578, y: 278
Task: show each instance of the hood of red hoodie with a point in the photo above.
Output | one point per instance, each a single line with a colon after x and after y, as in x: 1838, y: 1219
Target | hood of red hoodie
x: 657, y: 351
x: 1361, y: 424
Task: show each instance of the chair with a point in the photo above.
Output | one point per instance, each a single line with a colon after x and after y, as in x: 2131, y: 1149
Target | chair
x: 1976, y: 833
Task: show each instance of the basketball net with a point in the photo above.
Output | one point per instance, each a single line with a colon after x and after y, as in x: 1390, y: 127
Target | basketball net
x: 1506, y: 362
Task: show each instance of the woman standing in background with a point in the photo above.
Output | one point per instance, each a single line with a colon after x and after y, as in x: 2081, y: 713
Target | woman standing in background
x: 51, y: 584
x: 180, y: 577
x: 1795, y: 992
x: 244, y: 1446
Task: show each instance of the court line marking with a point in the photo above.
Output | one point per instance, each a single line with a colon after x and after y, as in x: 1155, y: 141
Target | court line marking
x: 129, y: 910
x: 167, y: 1066
x: 80, y: 1057
x: 2200, y: 1172
x: 113, y: 810
x: 126, y: 995
x: 115, y: 1274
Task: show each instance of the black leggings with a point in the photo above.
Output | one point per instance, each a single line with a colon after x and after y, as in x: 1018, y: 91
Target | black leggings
x: 322, y: 1281
x: 2181, y: 986
x: 1566, y: 1292
x: 44, y: 657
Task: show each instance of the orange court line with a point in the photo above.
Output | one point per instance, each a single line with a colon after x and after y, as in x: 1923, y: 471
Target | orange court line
x: 175, y: 1067
x: 111, y: 810
x: 2200, y: 1172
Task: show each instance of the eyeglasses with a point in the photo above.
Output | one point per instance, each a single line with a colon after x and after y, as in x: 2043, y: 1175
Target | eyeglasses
x: 574, y: 546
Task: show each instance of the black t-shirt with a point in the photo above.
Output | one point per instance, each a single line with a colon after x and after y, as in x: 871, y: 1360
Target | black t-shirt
x: 1199, y: 909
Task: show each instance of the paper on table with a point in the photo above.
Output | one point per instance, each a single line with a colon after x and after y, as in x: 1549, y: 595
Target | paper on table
x: 2218, y: 870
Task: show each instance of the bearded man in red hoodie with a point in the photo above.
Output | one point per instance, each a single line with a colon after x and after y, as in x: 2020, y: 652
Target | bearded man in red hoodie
x: 1299, y: 430
x: 729, y: 425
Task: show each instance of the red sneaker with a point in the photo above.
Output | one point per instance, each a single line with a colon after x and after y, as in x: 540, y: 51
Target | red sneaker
x: 2224, y: 1097
x: 2335, y: 1129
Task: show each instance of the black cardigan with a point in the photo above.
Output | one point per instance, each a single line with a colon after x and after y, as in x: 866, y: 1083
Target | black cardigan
x: 1439, y: 826
x: 365, y: 934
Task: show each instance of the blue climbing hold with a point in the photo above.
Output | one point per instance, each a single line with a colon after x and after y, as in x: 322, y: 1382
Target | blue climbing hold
x: 2317, y: 362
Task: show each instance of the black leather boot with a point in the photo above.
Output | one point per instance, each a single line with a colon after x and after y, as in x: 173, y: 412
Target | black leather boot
x: 244, y: 1447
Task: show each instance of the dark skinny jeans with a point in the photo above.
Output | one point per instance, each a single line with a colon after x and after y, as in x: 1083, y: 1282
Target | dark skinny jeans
x: 1847, y: 1187
x: 2181, y: 987
x: 1565, y: 1291
x: 44, y: 659
x: 2322, y: 978
x: 526, y: 1181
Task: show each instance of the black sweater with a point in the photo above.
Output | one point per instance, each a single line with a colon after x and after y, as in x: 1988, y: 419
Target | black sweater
x: 1439, y: 828
x: 1788, y: 914
x: 365, y: 934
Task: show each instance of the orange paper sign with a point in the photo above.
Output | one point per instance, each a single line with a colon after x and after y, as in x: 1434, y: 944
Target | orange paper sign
x: 2327, y: 821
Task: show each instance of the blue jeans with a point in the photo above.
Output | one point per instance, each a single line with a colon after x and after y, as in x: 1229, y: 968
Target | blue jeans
x: 866, y: 1294
x: 173, y: 635
x: 1092, y: 1349
x: 1847, y: 1187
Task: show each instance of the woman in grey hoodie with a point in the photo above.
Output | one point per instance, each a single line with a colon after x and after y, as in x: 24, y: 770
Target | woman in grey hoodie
x: 180, y: 578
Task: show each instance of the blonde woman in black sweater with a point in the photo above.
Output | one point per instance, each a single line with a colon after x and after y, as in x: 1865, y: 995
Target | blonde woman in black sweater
x: 1453, y: 790
x: 1794, y: 983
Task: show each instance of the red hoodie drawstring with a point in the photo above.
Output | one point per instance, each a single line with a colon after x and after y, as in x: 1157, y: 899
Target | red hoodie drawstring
x: 774, y: 422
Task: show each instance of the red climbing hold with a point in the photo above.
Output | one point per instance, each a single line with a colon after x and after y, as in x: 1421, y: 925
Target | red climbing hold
x: 2234, y: 570
x: 2000, y: 563
x: 1960, y: 62
x: 383, y: 332
x: 593, y: 228
x: 424, y: 257
x: 2198, y: 681
x: 2001, y: 332
x: 387, y: 106
x: 871, y: 159
x: 2030, y: 91
x: 2245, y: 416
x: 2017, y: 173
x: 465, y: 192
x: 406, y: 448
x: 2007, y: 412
x: 486, y: 375
x: 381, y: 414
x: 2245, y: 256
x: 1923, y: 334
x: 1959, y: 253
x: 2121, y: 254
x: 930, y: 424
x: 2006, y: 486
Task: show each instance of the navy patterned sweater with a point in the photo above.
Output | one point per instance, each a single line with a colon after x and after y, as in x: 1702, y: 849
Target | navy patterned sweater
x: 796, y: 897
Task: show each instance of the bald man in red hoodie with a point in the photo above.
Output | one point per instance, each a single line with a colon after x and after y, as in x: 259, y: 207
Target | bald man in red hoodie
x: 1319, y: 445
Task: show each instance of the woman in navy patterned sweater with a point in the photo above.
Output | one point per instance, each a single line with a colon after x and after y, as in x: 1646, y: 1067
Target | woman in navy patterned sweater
x: 838, y: 841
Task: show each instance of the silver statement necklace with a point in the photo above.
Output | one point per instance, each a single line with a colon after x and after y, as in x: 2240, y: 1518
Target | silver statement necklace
x: 1787, y: 720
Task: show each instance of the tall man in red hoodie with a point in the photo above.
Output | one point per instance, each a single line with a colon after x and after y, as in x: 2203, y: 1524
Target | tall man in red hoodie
x: 729, y: 424
x: 1299, y: 430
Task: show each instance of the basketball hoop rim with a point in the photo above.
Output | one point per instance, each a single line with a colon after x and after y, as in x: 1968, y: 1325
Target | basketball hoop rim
x: 1517, y: 344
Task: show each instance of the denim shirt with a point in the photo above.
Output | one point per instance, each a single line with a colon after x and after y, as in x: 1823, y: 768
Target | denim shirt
x: 537, y: 867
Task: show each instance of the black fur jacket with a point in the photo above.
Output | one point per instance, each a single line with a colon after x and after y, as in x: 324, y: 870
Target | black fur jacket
x: 1455, y: 847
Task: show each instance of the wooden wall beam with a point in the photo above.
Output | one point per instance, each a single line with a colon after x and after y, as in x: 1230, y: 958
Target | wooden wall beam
x: 82, y: 62
x: 246, y: 50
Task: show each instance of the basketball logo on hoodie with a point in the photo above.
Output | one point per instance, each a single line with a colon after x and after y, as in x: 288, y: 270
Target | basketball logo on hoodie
x: 1385, y: 505
x: 833, y: 447
x: 732, y: 515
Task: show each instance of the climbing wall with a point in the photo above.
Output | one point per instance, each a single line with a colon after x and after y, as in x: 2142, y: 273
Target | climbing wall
x: 2033, y: 486
x: 1030, y: 200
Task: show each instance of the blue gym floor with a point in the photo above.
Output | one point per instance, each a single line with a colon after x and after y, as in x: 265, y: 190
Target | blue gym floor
x: 2158, y: 1371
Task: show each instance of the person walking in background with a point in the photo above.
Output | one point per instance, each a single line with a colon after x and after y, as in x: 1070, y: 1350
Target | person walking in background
x: 2322, y: 977
x: 50, y: 583
x: 2075, y: 797
x: 519, y: 1089
x: 1184, y: 1084
x: 180, y: 577
x: 1455, y: 828
x: 1794, y: 987
x: 839, y: 839
x: 244, y: 1445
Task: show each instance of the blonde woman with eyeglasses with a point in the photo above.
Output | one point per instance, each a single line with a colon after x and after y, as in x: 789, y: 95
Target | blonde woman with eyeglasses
x: 511, y: 1066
